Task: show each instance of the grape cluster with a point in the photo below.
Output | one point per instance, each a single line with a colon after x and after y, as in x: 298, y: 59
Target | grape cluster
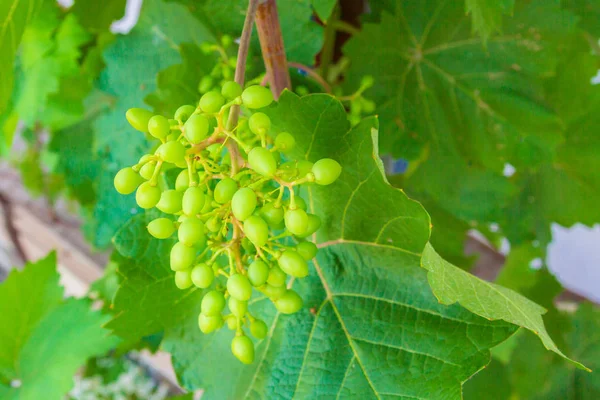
x: 235, y: 207
x: 359, y: 105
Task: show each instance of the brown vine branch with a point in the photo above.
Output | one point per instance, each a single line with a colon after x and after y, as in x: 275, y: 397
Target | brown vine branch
x: 313, y: 74
x: 11, y: 229
x: 273, y: 50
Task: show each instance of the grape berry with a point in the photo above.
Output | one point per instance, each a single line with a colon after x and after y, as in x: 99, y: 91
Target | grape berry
x: 235, y: 208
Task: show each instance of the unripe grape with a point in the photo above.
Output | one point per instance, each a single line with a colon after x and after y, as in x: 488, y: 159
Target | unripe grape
x: 257, y: 230
x: 147, y: 196
x: 285, y: 142
x: 231, y: 90
x: 326, y: 171
x: 367, y: 81
x: 127, y: 180
x: 184, y: 112
x: 193, y: 201
x: 202, y: 276
x: 183, y: 181
x: 257, y: 97
x: 147, y: 170
x: 238, y: 307
x: 214, y: 224
x: 172, y: 152
x: 296, y: 221
x: 159, y: 127
x: 196, y: 128
x: 273, y: 292
x: 368, y: 105
x: 243, y: 349
x: 138, y: 118
x: 289, y: 303
x: 276, y: 277
x: 182, y: 257
x: 272, y: 215
x: 243, y: 203
x: 258, y: 272
x: 239, y: 287
x: 226, y: 41
x: 259, y: 123
x: 298, y: 202
x: 170, y: 201
x: 308, y: 250
x: 261, y: 160
x: 191, y: 233
x: 211, y: 102
x: 225, y: 190
x: 161, y: 228
x: 232, y: 323
x: 183, y: 279
x: 304, y: 167
x: 293, y: 264
x: 314, y: 223
x: 259, y: 329
x: 206, y: 83
x: 213, y: 303
x: 209, y: 323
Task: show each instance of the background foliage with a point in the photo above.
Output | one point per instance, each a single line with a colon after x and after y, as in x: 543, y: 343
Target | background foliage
x: 489, y: 103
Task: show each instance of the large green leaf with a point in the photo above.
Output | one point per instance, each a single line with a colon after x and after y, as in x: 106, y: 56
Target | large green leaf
x: 45, y: 339
x: 452, y: 285
x: 14, y: 17
x: 132, y: 63
x: 97, y: 16
x: 487, y: 15
x: 371, y: 327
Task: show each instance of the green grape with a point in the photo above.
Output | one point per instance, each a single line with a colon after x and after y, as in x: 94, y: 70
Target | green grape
x: 184, y: 112
x: 238, y: 307
x: 225, y: 190
x: 367, y: 81
x: 226, y: 41
x: 172, y: 152
x: 208, y: 200
x: 138, y: 118
x: 276, y: 277
x: 183, y: 279
x: 258, y: 272
x: 183, y: 181
x: 326, y: 171
x: 196, y: 128
x: 289, y: 303
x: 293, y: 264
x: 145, y: 158
x: 191, y: 233
x: 159, y: 127
x: 259, y: 123
x: 299, y: 202
x: 206, y: 84
x: 213, y: 303
x: 285, y: 142
x: 161, y: 228
x: 243, y: 349
x: 239, y: 287
x: 170, y: 201
x: 182, y: 257
x: 232, y: 323
x: 202, y: 276
x: 243, y: 203
x: 273, y: 292
x: 261, y: 160
x: 257, y: 230
x: 368, y: 105
x: 259, y: 329
x: 314, y: 223
x: 214, y: 224
x: 193, y: 201
x: 308, y: 250
x: 296, y: 221
x: 127, y: 180
x: 147, y: 170
x: 147, y: 196
x: 209, y: 323
x: 211, y: 102
x: 272, y: 214
x: 257, y: 97
x: 304, y: 167
x: 231, y: 90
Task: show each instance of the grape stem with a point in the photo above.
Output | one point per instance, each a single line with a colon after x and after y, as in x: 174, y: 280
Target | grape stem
x: 313, y: 74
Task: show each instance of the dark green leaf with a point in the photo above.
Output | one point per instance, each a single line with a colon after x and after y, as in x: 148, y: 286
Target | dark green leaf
x: 487, y: 15
x: 97, y: 16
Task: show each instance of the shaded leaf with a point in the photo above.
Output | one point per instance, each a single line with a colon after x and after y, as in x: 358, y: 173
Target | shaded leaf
x: 487, y: 15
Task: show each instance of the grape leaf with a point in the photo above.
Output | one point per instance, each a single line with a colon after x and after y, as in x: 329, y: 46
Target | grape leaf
x: 487, y: 15
x: 493, y: 381
x: 15, y: 15
x: 45, y: 339
x: 97, y: 16
x: 589, y: 13
x: 324, y: 8
x: 132, y: 63
x: 452, y: 285
x: 371, y: 327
